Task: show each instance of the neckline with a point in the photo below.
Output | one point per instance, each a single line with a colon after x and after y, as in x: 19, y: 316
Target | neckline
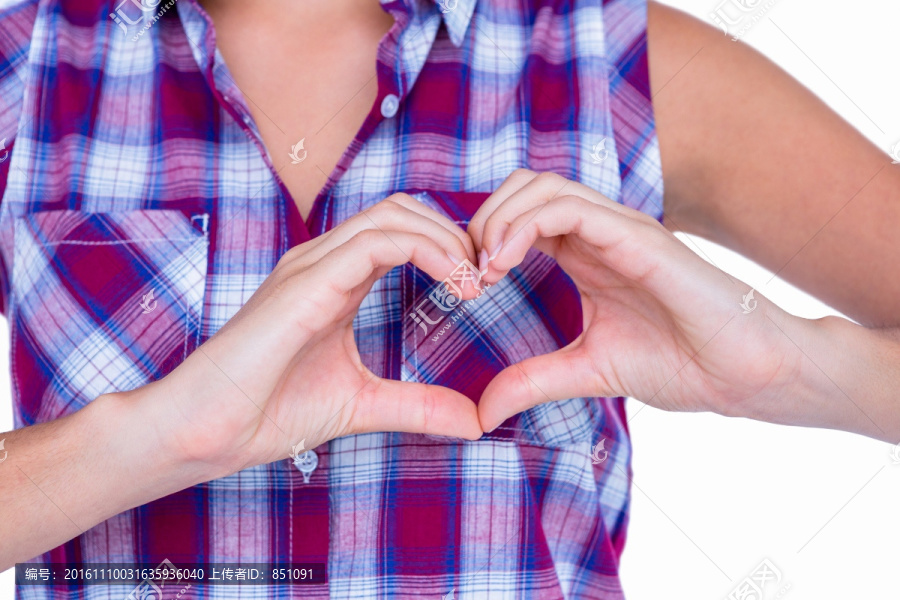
x: 298, y: 229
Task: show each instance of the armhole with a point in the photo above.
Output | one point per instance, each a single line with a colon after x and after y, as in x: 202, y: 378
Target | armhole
x: 17, y: 21
x: 631, y: 105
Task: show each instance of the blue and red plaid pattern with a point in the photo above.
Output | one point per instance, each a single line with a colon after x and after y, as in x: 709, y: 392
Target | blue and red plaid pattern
x: 140, y: 210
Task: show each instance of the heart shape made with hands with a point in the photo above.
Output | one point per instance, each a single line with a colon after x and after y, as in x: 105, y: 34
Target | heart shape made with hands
x: 471, y: 334
x: 570, y: 270
x: 471, y: 331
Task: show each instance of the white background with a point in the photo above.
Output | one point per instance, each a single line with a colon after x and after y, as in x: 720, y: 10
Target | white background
x: 714, y: 496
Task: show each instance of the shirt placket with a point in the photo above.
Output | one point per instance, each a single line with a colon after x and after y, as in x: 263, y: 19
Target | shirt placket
x: 400, y: 56
x: 299, y: 534
x: 399, y: 59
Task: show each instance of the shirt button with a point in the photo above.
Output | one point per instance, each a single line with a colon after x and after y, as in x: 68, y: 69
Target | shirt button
x: 306, y: 463
x: 389, y: 106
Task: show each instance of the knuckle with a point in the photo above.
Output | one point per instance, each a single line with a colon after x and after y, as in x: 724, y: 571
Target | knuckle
x: 522, y: 174
x: 549, y: 178
x: 399, y: 199
x: 418, y: 244
x: 521, y: 382
x: 476, y: 224
x: 571, y: 202
x: 429, y: 405
x: 384, y: 207
x: 640, y: 216
x: 367, y: 238
x: 288, y: 257
x: 292, y: 253
x: 565, y: 199
x: 357, y: 222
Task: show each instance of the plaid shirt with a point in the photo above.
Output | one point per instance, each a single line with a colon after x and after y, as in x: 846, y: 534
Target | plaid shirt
x: 140, y: 210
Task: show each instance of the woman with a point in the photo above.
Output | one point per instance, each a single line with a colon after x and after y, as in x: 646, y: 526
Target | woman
x: 202, y: 212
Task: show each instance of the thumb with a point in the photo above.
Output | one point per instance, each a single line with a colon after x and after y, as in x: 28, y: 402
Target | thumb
x: 386, y: 405
x: 560, y: 375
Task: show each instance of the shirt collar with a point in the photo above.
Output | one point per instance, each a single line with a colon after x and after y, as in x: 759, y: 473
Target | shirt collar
x: 456, y: 14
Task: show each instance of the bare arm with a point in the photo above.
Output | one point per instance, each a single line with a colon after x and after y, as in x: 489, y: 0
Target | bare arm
x: 751, y: 160
x: 682, y: 340
x: 754, y: 161
x: 63, y: 477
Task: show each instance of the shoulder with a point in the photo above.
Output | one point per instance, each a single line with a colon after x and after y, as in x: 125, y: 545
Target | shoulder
x: 40, y: 31
x: 27, y: 23
x: 17, y: 18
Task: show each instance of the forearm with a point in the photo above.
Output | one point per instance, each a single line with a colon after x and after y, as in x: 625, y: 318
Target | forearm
x: 847, y: 378
x: 65, y: 476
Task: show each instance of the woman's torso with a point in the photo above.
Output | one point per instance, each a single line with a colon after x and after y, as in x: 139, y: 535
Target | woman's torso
x: 136, y: 166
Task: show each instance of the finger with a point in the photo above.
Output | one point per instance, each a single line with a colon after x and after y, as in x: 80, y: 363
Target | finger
x: 389, y: 221
x: 566, y: 373
x: 540, y: 190
x: 335, y: 285
x: 407, y: 201
x: 515, y: 181
x: 386, y: 405
x: 372, y: 252
x: 399, y: 212
x: 634, y: 248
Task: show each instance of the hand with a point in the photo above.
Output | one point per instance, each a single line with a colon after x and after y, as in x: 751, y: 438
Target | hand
x: 660, y: 324
x: 286, y: 368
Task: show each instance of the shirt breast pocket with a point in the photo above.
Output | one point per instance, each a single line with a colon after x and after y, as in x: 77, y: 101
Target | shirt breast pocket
x: 102, y: 302
x: 535, y: 310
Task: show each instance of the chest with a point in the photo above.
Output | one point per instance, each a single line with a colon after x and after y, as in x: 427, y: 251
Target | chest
x: 177, y: 125
x: 309, y: 85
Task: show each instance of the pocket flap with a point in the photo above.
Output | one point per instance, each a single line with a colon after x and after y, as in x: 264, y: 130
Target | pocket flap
x: 102, y: 302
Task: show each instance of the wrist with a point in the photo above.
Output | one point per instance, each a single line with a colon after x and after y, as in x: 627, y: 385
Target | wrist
x: 145, y: 437
x: 839, y: 378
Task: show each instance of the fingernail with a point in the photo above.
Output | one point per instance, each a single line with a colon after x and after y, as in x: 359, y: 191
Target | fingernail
x: 455, y: 260
x: 483, y: 261
x: 496, y: 251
